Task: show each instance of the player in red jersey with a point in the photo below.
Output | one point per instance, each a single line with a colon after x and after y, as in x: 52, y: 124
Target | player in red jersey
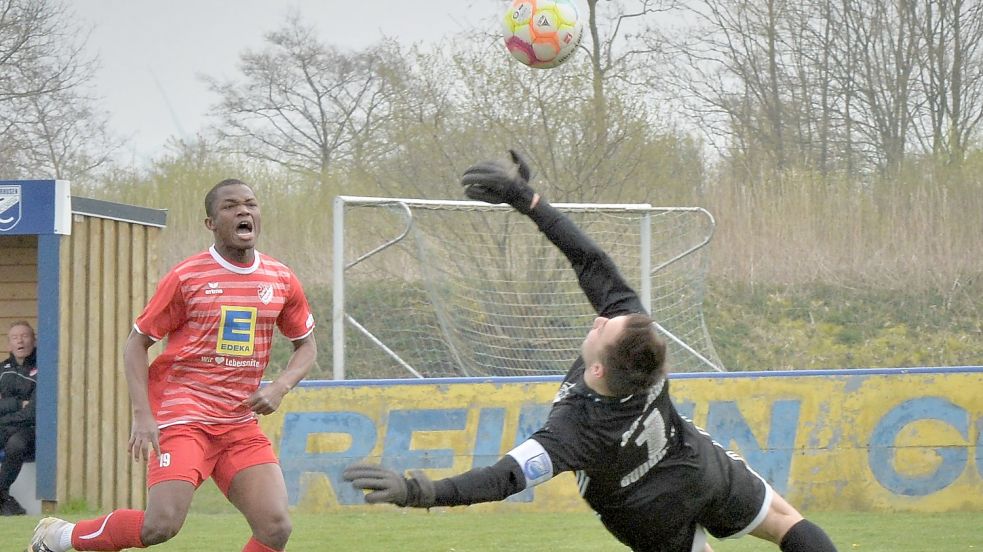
x: 195, y: 406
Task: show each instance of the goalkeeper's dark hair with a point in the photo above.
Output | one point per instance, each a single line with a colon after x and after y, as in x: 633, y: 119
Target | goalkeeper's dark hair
x: 211, y: 195
x: 637, y: 359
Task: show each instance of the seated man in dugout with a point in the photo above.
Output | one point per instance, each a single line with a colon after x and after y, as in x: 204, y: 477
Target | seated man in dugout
x: 18, y: 382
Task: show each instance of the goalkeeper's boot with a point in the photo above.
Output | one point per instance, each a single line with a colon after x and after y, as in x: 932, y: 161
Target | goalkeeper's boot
x: 47, y: 535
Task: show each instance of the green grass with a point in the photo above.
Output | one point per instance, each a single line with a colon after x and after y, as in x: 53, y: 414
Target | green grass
x: 390, y: 529
x: 215, y: 525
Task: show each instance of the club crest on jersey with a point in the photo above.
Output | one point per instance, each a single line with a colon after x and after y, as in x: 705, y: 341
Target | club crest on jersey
x: 538, y: 467
x: 10, y: 207
x: 236, y: 331
x: 265, y: 292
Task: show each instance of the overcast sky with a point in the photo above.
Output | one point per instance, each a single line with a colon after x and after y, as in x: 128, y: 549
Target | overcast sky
x: 152, y: 51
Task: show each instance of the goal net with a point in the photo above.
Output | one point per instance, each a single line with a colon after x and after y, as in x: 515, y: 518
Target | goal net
x: 429, y: 288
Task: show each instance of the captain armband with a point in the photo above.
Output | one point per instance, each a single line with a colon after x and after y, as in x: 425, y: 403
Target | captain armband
x: 535, y: 462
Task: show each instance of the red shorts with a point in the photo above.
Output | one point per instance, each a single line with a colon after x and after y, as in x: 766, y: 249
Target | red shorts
x: 195, y: 452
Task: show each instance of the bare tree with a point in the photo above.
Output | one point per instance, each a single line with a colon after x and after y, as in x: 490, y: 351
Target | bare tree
x: 624, y: 40
x: 49, y: 126
x: 732, y: 68
x: 455, y: 105
x: 888, y: 47
x: 36, y: 52
x: 304, y: 105
x: 951, y: 74
x: 70, y: 140
x: 828, y: 85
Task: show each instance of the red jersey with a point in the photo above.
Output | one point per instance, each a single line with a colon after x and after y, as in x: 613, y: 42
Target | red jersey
x: 219, y: 317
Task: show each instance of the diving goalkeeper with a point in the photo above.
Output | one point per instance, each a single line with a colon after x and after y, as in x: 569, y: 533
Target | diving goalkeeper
x: 657, y: 482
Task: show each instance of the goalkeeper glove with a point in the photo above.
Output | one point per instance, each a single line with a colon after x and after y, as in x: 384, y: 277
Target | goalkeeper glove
x: 385, y: 485
x: 501, y: 181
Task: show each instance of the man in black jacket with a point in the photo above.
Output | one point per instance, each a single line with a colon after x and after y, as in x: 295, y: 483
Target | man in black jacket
x: 657, y: 482
x: 18, y: 381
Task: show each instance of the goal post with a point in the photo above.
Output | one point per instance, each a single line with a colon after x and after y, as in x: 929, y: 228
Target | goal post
x: 444, y: 288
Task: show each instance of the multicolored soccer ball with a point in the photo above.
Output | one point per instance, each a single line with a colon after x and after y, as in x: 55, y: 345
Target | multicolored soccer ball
x: 542, y: 33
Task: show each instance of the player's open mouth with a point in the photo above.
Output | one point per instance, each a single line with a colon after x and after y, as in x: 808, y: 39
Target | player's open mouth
x: 244, y: 229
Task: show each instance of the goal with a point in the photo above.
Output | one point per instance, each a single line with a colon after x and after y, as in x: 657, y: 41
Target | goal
x: 440, y: 288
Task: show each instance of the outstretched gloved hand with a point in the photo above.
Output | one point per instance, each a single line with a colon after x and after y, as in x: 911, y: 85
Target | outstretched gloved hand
x: 416, y: 491
x: 501, y: 181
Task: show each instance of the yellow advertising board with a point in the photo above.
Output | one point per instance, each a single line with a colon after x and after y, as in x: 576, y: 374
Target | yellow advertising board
x: 882, y: 440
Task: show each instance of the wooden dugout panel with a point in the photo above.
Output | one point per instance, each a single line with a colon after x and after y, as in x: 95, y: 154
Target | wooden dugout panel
x: 81, y: 292
x: 19, y: 277
x: 109, y: 271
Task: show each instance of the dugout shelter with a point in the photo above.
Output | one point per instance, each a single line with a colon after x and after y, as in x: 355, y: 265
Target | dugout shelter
x: 79, y: 270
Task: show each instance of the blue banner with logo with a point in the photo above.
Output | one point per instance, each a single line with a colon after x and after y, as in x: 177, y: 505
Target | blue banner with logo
x: 33, y: 207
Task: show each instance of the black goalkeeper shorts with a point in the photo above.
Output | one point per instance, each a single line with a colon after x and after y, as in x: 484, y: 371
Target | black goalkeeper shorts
x: 702, y: 488
x: 740, y: 497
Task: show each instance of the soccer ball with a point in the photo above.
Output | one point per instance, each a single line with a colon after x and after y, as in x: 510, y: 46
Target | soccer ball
x: 542, y: 33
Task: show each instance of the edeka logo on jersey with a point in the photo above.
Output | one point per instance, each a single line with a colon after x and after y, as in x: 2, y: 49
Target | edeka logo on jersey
x: 236, y: 331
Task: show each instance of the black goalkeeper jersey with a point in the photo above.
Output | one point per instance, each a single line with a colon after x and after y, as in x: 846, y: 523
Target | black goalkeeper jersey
x: 613, y: 444
x: 656, y: 480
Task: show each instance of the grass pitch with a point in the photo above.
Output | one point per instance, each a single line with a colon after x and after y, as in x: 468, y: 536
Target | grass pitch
x: 388, y: 529
x: 214, y: 524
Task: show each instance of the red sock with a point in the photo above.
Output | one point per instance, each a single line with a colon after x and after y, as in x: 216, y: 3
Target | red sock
x: 117, y: 531
x: 255, y: 546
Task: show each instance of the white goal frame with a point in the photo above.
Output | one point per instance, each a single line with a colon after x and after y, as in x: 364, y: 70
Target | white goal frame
x: 340, y: 265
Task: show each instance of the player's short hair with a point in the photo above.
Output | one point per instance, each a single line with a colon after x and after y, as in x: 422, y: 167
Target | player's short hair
x: 213, y: 193
x: 635, y: 361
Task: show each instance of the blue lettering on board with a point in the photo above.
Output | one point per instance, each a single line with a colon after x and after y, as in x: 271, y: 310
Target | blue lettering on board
x: 883, y: 449
x: 685, y: 409
x: 773, y: 461
x: 396, y: 451
x: 491, y: 427
x: 771, y: 457
x: 979, y: 447
x: 531, y: 418
x: 295, y: 461
x: 488, y: 441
